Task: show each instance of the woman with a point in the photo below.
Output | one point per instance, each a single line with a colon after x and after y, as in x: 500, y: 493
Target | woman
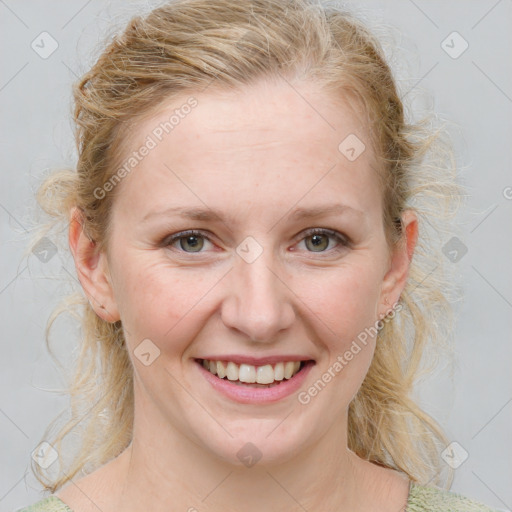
x: 255, y: 273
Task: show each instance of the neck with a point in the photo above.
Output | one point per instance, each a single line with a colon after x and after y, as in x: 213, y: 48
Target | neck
x: 157, y: 471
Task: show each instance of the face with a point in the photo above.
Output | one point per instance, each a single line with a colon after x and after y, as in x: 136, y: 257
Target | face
x: 247, y: 236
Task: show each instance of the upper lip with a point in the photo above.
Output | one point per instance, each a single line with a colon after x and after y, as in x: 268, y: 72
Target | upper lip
x: 256, y: 361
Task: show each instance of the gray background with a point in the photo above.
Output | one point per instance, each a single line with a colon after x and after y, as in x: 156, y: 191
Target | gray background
x: 472, y: 91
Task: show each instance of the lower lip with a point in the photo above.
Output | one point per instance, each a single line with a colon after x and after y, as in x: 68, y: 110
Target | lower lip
x: 247, y: 395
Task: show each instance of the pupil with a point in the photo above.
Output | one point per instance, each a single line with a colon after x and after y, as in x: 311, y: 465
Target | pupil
x: 318, y: 241
x: 193, y: 242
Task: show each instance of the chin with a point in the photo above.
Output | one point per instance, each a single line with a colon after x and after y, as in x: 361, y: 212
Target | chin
x: 253, y: 444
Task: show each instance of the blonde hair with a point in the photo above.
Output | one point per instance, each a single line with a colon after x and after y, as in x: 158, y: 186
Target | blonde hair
x: 184, y: 46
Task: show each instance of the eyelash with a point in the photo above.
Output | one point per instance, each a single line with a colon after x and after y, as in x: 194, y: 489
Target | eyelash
x: 343, y: 241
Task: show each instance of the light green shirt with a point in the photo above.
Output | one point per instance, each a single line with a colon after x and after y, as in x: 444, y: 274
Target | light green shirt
x: 421, y: 499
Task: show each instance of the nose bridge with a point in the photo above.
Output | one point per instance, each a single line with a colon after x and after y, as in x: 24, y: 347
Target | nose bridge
x: 258, y: 301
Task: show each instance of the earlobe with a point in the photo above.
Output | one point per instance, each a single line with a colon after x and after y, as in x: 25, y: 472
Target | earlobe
x: 92, y: 269
x: 396, y: 277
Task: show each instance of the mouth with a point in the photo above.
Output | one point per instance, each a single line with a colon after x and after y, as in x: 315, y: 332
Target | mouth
x: 262, y: 376
x: 255, y: 384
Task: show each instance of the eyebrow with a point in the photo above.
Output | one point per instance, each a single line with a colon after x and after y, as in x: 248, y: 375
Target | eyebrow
x: 210, y: 214
x: 322, y: 211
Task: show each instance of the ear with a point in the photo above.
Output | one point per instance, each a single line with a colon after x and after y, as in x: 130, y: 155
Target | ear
x: 400, y: 260
x: 92, y: 269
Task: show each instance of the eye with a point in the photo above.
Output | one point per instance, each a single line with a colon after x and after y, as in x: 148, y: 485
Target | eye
x: 322, y: 240
x: 315, y: 240
x: 188, y: 241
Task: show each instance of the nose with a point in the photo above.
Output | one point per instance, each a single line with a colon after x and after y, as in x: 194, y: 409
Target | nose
x: 258, y: 302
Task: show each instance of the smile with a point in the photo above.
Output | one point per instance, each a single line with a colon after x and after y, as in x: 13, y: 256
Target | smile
x: 249, y: 374
x: 247, y: 383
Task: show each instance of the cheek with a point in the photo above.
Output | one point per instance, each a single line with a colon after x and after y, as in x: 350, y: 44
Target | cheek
x: 164, y: 304
x: 341, y: 305
x: 344, y: 299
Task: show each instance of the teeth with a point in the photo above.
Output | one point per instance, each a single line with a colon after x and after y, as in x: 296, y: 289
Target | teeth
x: 232, y: 371
x: 265, y: 374
x: 221, y: 369
x: 247, y: 373
x: 250, y: 374
x: 288, y: 369
x: 279, y: 371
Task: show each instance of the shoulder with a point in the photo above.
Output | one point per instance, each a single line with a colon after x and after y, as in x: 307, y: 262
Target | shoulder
x: 50, y: 504
x: 424, y: 498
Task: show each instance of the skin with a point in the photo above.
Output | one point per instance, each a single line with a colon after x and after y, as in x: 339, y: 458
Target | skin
x: 255, y: 156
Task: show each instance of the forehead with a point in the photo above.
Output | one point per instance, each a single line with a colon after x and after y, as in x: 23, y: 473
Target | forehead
x: 285, y: 141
